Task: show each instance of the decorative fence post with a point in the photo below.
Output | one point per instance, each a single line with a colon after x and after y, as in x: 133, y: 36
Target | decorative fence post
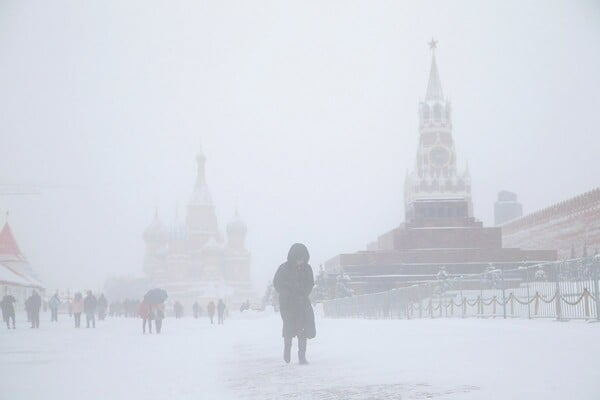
x: 586, y: 302
x: 596, y: 291
x: 503, y: 294
x: 558, y: 295
x: 528, y: 299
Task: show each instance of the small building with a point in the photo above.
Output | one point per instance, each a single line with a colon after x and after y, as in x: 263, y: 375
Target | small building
x: 507, y: 207
x: 17, y: 277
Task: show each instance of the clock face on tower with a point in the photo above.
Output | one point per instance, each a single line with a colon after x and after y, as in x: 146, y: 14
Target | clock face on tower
x: 439, y: 156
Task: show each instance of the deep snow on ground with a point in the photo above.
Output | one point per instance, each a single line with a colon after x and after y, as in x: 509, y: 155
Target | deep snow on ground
x: 350, y: 359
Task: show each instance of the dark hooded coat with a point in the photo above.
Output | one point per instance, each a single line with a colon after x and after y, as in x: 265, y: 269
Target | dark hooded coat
x: 294, y: 284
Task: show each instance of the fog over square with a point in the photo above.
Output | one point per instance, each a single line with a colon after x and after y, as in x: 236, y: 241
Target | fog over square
x: 306, y: 111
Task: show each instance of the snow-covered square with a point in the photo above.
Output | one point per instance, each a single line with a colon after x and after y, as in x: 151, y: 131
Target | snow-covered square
x: 349, y: 359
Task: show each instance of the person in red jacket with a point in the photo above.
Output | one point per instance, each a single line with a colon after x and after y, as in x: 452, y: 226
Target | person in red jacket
x: 145, y: 312
x: 211, y: 310
x: 77, y: 308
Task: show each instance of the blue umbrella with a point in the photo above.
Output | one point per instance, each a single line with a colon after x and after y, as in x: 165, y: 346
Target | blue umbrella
x: 156, y: 296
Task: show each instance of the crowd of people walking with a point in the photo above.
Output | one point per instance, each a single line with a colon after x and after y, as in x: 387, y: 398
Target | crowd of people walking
x: 294, y: 281
x: 90, y: 306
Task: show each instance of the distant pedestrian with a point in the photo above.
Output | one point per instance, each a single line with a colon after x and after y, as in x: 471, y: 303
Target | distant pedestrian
x: 159, y: 315
x: 210, y: 309
x: 221, y: 311
x: 54, y: 303
x: 34, y: 305
x: 102, y: 306
x: 89, y: 307
x: 196, y: 309
x: 145, y: 313
x: 8, y: 309
x: 28, y: 308
x: 178, y: 308
x: 294, y: 280
x: 77, y: 306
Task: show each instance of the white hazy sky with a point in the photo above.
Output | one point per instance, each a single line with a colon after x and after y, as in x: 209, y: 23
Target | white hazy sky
x: 307, y: 112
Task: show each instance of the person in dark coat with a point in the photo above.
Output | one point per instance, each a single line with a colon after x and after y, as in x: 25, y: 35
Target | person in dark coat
x: 178, y: 308
x: 89, y: 308
x: 196, y: 309
x: 54, y: 303
x: 34, y: 305
x: 159, y: 315
x: 8, y: 309
x: 294, y: 280
x: 102, y: 306
x: 147, y: 315
x: 220, y: 311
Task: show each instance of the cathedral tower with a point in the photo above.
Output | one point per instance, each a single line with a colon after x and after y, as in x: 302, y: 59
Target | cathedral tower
x: 201, y: 218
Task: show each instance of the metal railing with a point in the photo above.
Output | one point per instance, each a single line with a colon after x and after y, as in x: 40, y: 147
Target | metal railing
x: 562, y: 290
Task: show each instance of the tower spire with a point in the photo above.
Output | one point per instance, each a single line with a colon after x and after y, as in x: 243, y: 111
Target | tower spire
x: 201, y: 161
x: 434, y: 86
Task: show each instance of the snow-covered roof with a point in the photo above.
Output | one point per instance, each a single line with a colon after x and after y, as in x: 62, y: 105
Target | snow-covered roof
x: 8, y: 244
x: 9, y: 275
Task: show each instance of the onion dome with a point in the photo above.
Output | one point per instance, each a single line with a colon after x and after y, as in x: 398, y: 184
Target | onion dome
x: 236, y: 226
x: 156, y: 231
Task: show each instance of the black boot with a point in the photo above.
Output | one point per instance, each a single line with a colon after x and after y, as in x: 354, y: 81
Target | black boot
x: 302, y: 351
x: 287, y: 350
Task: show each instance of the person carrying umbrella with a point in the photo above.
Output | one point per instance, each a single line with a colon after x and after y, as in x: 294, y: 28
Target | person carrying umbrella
x: 145, y: 312
x: 294, y: 280
x: 152, y: 307
x: 159, y: 315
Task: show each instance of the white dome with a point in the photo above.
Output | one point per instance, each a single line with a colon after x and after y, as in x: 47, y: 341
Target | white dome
x: 156, y: 231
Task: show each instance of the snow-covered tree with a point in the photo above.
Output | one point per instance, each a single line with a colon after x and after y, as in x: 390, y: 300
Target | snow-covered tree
x: 270, y: 298
x: 342, y: 286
